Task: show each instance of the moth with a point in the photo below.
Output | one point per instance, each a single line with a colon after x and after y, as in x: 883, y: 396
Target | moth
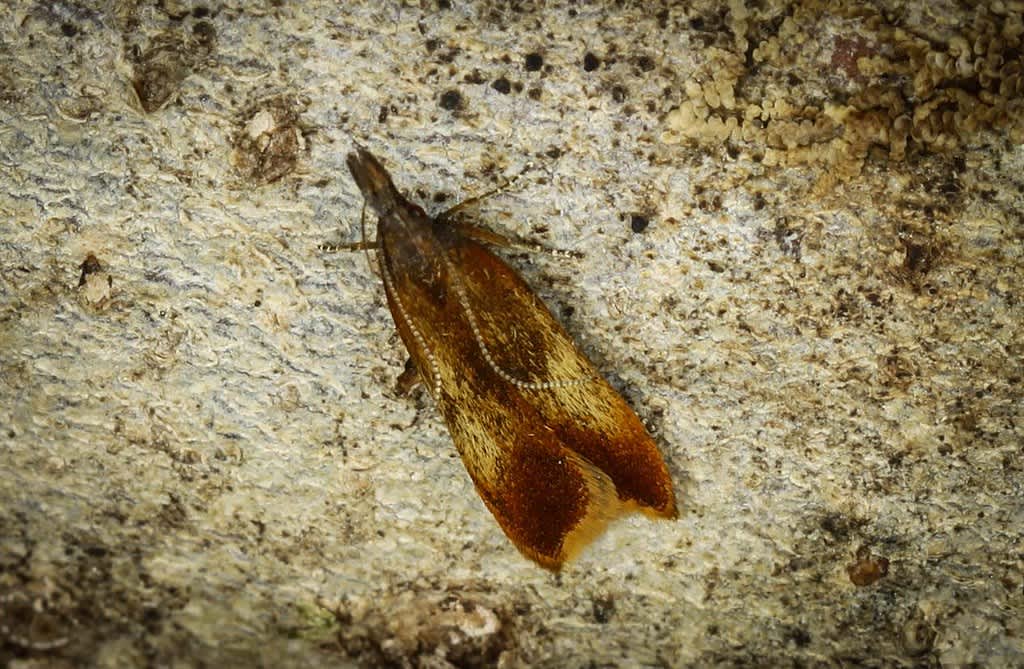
x: 554, y: 452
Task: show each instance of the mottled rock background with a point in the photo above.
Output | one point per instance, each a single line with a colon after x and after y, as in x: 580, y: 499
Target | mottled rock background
x: 803, y: 266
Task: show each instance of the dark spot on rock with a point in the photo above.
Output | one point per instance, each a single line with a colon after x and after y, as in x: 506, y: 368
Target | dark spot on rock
x: 638, y: 222
x: 799, y: 636
x: 451, y: 100
x: 533, y: 62
x: 474, y: 77
x: 604, y: 609
x: 158, y: 76
x: 205, y: 34
x: 868, y: 569
x: 501, y: 85
x: 916, y: 258
x: 591, y: 62
x: 788, y: 238
x: 271, y: 141
x: 91, y: 265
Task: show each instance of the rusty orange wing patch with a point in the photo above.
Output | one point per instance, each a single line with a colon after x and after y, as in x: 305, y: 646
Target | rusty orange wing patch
x: 554, y: 451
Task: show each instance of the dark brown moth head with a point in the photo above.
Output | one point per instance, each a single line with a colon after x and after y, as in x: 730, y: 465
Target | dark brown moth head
x: 375, y: 183
x: 405, y: 234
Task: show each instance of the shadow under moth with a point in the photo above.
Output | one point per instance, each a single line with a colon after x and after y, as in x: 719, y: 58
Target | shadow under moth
x: 554, y: 452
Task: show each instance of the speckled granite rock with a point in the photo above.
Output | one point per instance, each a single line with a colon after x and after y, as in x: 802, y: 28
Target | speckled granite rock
x: 803, y: 267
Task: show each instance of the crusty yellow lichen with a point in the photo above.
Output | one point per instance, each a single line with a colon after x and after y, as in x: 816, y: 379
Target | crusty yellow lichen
x: 899, y: 87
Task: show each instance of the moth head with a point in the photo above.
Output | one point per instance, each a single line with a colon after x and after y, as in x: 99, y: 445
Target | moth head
x: 374, y: 181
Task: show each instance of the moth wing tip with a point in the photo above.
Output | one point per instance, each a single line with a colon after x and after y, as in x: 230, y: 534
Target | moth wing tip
x: 667, y: 510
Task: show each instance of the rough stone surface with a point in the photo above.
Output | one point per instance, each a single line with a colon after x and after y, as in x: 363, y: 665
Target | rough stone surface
x: 803, y: 266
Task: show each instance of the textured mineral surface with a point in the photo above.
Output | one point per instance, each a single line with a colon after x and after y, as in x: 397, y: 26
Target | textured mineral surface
x: 803, y: 266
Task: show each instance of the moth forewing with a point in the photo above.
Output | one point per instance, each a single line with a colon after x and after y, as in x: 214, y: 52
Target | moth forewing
x: 554, y: 452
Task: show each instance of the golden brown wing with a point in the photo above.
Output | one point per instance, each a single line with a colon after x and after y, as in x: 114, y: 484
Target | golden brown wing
x: 553, y: 450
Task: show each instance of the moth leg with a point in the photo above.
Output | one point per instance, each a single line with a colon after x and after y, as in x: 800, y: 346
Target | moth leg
x: 408, y: 379
x: 334, y: 247
x: 361, y: 245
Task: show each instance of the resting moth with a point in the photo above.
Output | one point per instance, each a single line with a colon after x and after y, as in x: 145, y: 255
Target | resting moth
x: 554, y: 452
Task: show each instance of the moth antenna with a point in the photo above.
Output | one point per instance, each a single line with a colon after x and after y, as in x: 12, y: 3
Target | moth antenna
x: 446, y: 215
x: 486, y: 236
x: 362, y: 236
x: 421, y: 342
x: 361, y: 245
